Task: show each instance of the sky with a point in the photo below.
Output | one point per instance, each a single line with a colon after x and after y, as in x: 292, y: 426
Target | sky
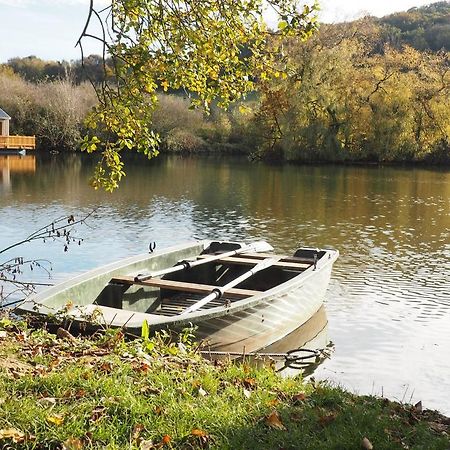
x: 49, y: 29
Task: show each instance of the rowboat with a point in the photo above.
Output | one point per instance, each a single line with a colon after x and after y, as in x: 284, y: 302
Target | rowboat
x: 238, y: 296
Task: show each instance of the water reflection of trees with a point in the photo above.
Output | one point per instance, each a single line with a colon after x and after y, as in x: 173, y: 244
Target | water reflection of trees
x: 311, y: 204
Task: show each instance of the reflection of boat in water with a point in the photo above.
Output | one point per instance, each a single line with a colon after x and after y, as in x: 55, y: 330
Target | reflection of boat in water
x: 301, y: 351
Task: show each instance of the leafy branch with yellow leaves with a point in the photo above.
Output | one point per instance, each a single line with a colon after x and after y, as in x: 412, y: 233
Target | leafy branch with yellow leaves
x: 213, y: 51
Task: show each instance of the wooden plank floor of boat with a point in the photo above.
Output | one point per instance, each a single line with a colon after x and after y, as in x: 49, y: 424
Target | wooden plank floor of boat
x: 176, y: 304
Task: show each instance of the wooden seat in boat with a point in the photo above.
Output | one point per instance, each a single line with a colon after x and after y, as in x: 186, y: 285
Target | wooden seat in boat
x: 184, y: 286
x: 254, y: 258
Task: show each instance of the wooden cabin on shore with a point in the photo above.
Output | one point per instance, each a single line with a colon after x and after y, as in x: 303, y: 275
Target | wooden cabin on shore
x: 7, y: 142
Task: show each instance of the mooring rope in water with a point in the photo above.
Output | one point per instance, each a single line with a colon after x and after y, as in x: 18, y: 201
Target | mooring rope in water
x: 291, y: 357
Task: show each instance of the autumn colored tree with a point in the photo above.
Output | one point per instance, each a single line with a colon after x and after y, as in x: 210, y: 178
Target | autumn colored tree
x: 348, y: 98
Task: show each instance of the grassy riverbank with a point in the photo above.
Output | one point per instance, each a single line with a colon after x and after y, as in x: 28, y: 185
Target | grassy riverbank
x: 103, y: 392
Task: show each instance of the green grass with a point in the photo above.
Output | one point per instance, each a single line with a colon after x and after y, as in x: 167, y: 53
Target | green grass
x: 104, y: 392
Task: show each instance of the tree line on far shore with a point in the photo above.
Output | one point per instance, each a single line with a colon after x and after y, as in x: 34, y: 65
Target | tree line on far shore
x: 367, y: 90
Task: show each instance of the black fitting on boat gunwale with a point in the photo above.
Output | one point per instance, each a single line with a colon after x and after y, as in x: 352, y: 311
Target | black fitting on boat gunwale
x: 217, y: 291
x: 186, y: 264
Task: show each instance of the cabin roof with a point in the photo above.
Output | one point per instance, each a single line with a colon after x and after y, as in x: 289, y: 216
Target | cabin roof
x: 4, y: 115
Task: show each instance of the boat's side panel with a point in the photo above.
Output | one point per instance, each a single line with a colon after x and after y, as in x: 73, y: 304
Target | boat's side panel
x: 82, y: 290
x: 269, y: 320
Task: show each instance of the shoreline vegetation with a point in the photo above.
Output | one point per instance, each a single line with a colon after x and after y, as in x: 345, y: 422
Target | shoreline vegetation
x: 368, y: 91
x: 58, y: 391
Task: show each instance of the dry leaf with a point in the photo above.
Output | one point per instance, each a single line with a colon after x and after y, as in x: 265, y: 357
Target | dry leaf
x: 149, y: 390
x: 202, y: 392
x: 146, y: 445
x: 273, y: 420
x: 198, y: 433
x: 327, y: 419
x: 56, y: 419
x: 166, y: 439
x: 247, y: 393
x: 97, y: 413
x: 12, y: 433
x: 80, y: 393
x: 61, y: 333
x: 298, y: 398
x: 274, y: 402
x: 72, y: 444
x: 249, y: 383
x: 158, y: 410
x: 199, y: 438
x: 143, y: 367
x: 106, y: 367
x: 137, y: 430
x: 366, y: 444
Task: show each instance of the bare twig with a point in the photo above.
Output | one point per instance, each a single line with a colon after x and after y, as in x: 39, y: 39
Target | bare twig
x: 58, y: 230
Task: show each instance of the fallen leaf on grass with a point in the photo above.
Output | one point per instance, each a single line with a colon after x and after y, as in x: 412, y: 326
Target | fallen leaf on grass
x: 149, y: 390
x: 366, y: 444
x: 56, y: 419
x: 327, y: 419
x: 199, y: 433
x: 12, y: 433
x: 298, y: 398
x: 61, y: 333
x: 72, y: 444
x: 105, y: 367
x: 97, y: 413
x: 201, y: 438
x: 249, y: 383
x: 79, y: 393
x: 150, y: 445
x: 273, y: 420
x: 137, y: 430
x: 55, y: 363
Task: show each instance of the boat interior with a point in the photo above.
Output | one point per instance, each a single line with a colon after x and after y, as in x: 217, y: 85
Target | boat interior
x: 174, y: 293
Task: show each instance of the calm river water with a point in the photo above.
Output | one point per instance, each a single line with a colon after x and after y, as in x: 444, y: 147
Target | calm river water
x: 388, y: 305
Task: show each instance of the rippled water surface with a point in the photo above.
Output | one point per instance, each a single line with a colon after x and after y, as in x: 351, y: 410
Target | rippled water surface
x: 388, y: 305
